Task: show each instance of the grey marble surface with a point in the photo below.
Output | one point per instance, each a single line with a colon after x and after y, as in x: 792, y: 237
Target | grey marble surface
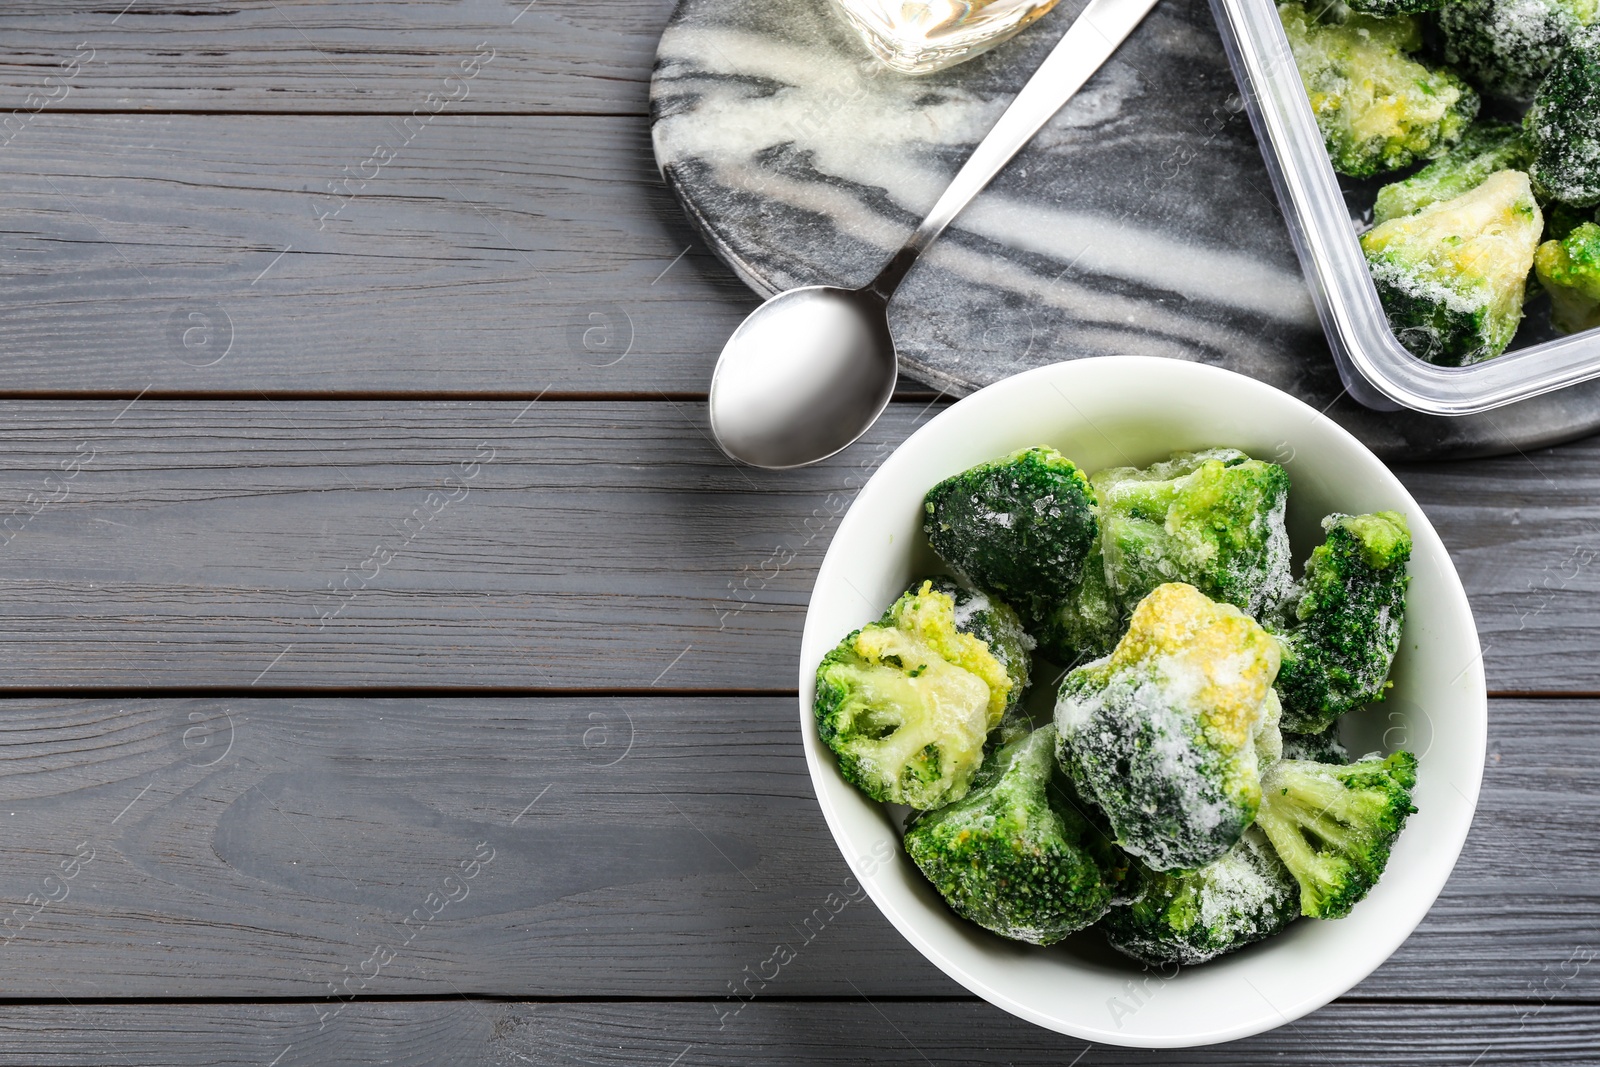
x: 1140, y: 220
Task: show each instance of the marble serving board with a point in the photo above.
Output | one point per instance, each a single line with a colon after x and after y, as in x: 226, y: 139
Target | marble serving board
x: 1140, y: 220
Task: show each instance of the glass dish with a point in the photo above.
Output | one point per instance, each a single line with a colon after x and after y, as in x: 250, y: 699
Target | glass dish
x: 922, y: 36
x: 1377, y: 371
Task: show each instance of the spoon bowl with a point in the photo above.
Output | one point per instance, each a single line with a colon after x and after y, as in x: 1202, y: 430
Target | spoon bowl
x: 803, y: 376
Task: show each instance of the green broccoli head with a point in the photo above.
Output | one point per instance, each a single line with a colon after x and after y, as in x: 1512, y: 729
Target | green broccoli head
x: 935, y: 617
x: 1212, y: 519
x: 1507, y: 46
x: 1569, y: 270
x: 1340, y: 637
x: 1163, y: 734
x: 1193, y: 916
x: 1019, y: 526
x: 1086, y: 625
x: 1487, y: 147
x: 990, y: 621
x: 1333, y: 826
x: 1014, y: 855
x: 1452, y: 276
x: 1321, y: 747
x: 1378, y: 108
x: 1564, y: 124
x: 906, y: 704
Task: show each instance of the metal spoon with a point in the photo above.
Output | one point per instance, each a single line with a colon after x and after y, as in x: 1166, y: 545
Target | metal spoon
x: 811, y: 370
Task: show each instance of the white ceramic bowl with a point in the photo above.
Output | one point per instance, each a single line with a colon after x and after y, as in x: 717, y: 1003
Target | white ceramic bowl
x: 1133, y: 410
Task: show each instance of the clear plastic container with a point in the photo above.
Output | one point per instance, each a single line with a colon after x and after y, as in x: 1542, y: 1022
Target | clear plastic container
x: 1376, y: 370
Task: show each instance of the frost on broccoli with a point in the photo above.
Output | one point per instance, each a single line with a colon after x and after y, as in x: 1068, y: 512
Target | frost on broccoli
x: 1388, y: 9
x: 1014, y: 855
x: 1487, y: 147
x: 1378, y: 108
x: 989, y: 620
x: 1452, y: 276
x: 1194, y: 916
x: 934, y: 616
x: 1340, y: 636
x: 1333, y: 826
x: 1019, y: 526
x: 1508, y: 46
x: 1212, y: 519
x: 906, y: 704
x: 1321, y: 747
x: 1086, y: 625
x: 1269, y: 738
x: 1569, y: 270
x: 1564, y: 124
x: 1163, y: 734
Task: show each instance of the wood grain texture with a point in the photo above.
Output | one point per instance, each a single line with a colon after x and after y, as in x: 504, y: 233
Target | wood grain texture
x: 547, y: 544
x: 1524, y: 534
x: 342, y: 56
x: 470, y: 255
x: 595, y: 545
x: 518, y: 243
x: 637, y: 847
x: 376, y: 255
x: 961, y: 1034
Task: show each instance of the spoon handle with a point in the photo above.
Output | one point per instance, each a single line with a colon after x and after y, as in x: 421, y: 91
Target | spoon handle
x: 1087, y: 44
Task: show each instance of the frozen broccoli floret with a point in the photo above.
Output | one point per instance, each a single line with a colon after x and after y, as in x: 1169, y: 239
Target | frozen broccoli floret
x: 1213, y: 519
x: 1194, y: 916
x: 906, y: 704
x: 1019, y: 526
x: 1323, y: 747
x: 1162, y: 734
x: 1564, y: 124
x: 1378, y: 108
x: 1569, y: 270
x: 1087, y: 624
x: 1388, y: 9
x: 991, y: 621
x: 1452, y: 276
x: 935, y: 616
x: 1013, y: 855
x: 1333, y: 826
x: 1507, y: 46
x: 1486, y: 148
x: 1340, y: 636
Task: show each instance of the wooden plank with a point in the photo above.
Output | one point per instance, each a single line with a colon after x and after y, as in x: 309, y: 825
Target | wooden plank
x: 542, y: 545
x: 1524, y: 533
x: 342, y: 56
x: 596, y: 545
x: 628, y: 847
x: 471, y: 256
x: 916, y: 1033
x: 489, y: 256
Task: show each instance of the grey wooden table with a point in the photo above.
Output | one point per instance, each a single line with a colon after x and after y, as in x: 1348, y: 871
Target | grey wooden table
x: 393, y: 670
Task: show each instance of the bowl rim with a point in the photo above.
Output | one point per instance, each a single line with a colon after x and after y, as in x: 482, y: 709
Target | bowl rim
x: 819, y: 759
